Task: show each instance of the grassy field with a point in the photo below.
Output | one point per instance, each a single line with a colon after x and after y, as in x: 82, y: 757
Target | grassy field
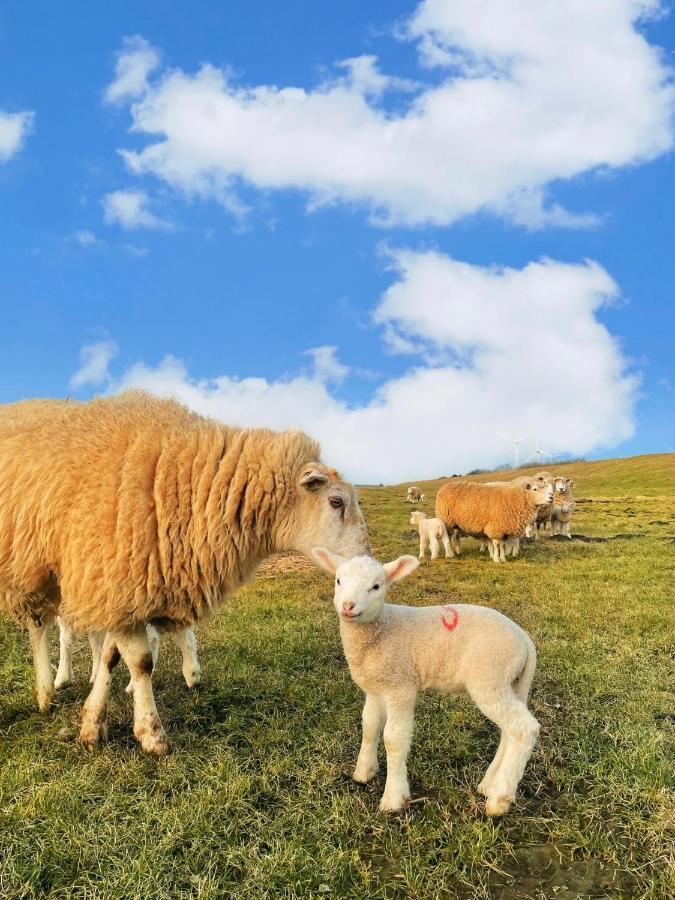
x: 256, y: 799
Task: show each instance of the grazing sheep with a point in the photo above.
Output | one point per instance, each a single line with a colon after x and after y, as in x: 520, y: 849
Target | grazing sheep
x: 184, y: 638
x: 563, y: 506
x: 395, y: 651
x: 131, y: 510
x: 414, y: 495
x: 497, y: 513
x: 432, y: 531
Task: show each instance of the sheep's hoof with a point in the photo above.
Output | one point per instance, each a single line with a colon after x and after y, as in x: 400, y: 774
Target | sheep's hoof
x: 44, y: 700
x: 499, y: 805
x: 193, y: 678
x: 62, y: 681
x: 362, y: 775
x: 93, y: 733
x: 129, y: 689
x: 394, y: 804
x: 153, y: 740
x: 483, y: 787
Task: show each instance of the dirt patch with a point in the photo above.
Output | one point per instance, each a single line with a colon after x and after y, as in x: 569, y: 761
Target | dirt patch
x: 284, y: 562
x: 659, y: 522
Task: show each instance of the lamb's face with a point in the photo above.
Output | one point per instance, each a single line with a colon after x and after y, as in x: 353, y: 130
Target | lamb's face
x: 360, y: 589
x: 416, y: 516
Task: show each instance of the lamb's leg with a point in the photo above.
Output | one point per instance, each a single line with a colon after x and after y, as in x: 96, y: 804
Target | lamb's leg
x: 373, y: 719
x: 447, y: 546
x: 153, y: 640
x: 433, y: 542
x: 187, y: 643
x: 94, y: 712
x: 64, y: 673
x: 422, y: 545
x: 134, y: 646
x: 96, y: 639
x: 397, y: 736
x: 39, y: 642
x: 519, y: 732
x: 567, y: 530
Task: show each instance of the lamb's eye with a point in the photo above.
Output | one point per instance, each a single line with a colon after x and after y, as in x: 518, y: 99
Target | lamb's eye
x: 336, y: 502
x: 337, y: 581
x: 375, y: 587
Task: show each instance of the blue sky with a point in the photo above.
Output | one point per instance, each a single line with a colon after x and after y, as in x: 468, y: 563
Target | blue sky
x: 382, y: 258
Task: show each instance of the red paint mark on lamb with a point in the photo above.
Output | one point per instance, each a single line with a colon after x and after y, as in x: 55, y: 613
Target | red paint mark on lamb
x: 455, y: 617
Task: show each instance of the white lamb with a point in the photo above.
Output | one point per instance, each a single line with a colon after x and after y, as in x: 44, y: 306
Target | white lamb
x: 184, y: 638
x: 432, y: 531
x: 395, y: 651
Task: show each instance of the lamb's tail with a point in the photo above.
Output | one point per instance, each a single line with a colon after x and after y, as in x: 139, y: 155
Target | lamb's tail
x: 522, y: 689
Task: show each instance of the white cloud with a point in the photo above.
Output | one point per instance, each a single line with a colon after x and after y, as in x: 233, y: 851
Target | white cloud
x: 134, y: 63
x: 529, y: 93
x: 14, y: 128
x: 85, y: 238
x: 94, y: 362
x: 523, y: 351
x: 128, y: 210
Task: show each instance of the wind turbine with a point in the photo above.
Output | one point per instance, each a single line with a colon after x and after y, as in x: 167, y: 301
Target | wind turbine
x: 516, y: 446
x: 539, y: 452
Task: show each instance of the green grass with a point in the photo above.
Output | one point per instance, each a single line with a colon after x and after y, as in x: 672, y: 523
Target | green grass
x: 256, y: 799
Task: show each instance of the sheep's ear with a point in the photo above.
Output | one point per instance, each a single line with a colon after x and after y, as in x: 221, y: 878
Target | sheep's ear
x: 327, y: 560
x: 312, y: 479
x: 528, y: 485
x: 570, y: 483
x: 400, y: 568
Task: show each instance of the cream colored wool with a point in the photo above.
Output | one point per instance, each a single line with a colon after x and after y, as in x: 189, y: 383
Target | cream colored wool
x: 432, y: 533
x: 131, y: 510
x: 394, y: 652
x: 563, y: 506
x: 499, y: 512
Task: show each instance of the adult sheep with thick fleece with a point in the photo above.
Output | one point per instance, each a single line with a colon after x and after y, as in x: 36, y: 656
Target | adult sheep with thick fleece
x: 394, y: 652
x: 414, y: 494
x: 499, y: 513
x: 432, y: 533
x: 131, y: 510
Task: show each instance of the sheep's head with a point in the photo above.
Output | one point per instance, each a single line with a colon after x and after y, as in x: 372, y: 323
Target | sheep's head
x: 562, y: 485
x: 326, y: 511
x: 540, y: 493
x: 361, y: 583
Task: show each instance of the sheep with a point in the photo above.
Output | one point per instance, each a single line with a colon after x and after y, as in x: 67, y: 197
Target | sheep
x: 184, y: 638
x: 563, y: 506
x: 131, y: 510
x: 414, y: 494
x: 395, y: 651
x: 431, y: 532
x: 496, y: 513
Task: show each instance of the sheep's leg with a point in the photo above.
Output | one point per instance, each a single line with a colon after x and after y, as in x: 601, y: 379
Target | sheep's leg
x: 39, y: 642
x: 397, y: 736
x: 153, y: 640
x: 519, y: 732
x: 567, y: 530
x: 64, y: 673
x: 187, y: 643
x: 373, y: 719
x: 94, y: 712
x: 96, y: 639
x: 498, y: 551
x: 134, y: 645
x: 454, y: 538
x: 422, y: 545
x: 447, y: 546
x: 433, y: 543
x: 515, y: 547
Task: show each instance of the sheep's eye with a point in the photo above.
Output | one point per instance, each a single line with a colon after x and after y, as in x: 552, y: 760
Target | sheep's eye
x: 336, y: 502
x: 375, y: 587
x: 337, y: 581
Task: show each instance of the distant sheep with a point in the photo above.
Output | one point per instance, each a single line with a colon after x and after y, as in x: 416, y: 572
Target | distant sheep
x: 432, y: 534
x: 414, y: 495
x: 563, y: 506
x: 395, y: 651
x: 131, y: 510
x: 497, y: 513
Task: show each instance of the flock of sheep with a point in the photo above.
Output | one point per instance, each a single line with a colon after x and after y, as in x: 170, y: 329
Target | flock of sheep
x: 498, y: 513
x: 129, y: 515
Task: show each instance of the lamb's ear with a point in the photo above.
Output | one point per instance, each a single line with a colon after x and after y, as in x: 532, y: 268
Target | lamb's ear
x: 312, y: 479
x: 400, y: 568
x: 327, y: 560
x: 570, y: 483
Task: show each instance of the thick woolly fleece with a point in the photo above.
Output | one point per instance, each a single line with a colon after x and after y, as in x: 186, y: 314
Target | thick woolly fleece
x: 132, y: 509
x: 498, y: 512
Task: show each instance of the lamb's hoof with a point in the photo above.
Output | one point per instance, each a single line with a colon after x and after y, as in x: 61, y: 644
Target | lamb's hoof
x: 499, y: 805
x: 93, y: 733
x: 192, y: 679
x: 129, y: 689
x: 62, y: 681
x: 362, y: 775
x: 153, y: 740
x: 395, y: 803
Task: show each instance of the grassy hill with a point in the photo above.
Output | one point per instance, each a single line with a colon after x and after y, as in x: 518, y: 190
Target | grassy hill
x: 256, y: 799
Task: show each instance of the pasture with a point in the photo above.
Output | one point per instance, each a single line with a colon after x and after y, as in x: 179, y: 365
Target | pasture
x: 256, y: 799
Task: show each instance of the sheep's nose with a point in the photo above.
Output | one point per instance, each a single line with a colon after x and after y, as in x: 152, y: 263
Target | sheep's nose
x: 348, y: 606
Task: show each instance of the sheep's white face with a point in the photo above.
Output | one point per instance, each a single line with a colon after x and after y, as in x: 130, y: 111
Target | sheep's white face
x: 560, y: 484
x: 361, y: 583
x: 328, y: 514
x: 541, y: 493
